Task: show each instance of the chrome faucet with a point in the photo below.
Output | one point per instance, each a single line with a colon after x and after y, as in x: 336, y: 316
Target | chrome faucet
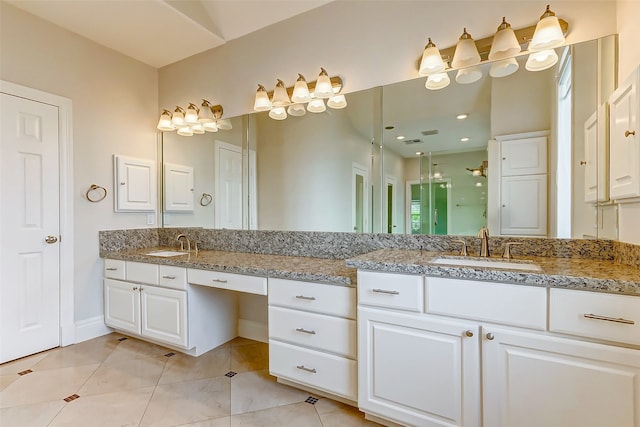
x: 483, y: 234
x: 182, y: 243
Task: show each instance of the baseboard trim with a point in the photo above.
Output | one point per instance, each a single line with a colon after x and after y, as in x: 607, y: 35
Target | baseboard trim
x: 91, y: 328
x: 253, y: 330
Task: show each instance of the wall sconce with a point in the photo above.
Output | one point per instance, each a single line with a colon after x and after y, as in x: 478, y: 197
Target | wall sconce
x: 481, y: 170
x: 501, y: 48
x: 194, y: 120
x: 284, y: 101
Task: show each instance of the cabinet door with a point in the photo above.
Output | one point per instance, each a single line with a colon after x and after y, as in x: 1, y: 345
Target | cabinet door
x: 418, y: 371
x: 178, y: 188
x: 122, y: 305
x: 135, y: 184
x: 590, y: 158
x: 532, y: 380
x: 523, y: 209
x: 527, y: 156
x: 164, y: 315
x: 625, y: 146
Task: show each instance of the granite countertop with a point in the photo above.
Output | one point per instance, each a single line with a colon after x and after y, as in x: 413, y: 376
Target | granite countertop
x: 568, y: 273
x: 331, y: 271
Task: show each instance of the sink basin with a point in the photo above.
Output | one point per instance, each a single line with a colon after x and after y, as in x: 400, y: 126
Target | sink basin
x: 488, y: 263
x: 166, y: 254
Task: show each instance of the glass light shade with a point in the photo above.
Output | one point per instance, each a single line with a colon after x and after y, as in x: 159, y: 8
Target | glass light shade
x: 278, y: 113
x: 164, y: 124
x: 301, y: 91
x: 548, y: 33
x: 431, y: 62
x: 316, y: 106
x: 542, y: 60
x: 191, y: 116
x: 437, y: 175
x: 437, y: 81
x: 224, y: 124
x: 185, y: 131
x: 262, y: 102
x: 280, y: 95
x: 466, y: 53
x: 323, y: 85
x: 504, y: 68
x: 211, y: 126
x: 505, y: 43
x: 197, y: 129
x: 206, y: 115
x: 296, y: 110
x: 178, y: 117
x: 337, y: 102
x: 468, y: 75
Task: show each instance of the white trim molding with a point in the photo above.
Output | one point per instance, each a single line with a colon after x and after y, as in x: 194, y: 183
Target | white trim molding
x: 65, y: 139
x: 91, y: 328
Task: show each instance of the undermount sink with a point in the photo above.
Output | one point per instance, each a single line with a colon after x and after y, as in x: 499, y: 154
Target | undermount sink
x: 487, y: 263
x: 166, y: 254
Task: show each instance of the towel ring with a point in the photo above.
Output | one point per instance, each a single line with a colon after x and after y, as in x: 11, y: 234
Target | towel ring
x: 206, y: 199
x: 96, y: 188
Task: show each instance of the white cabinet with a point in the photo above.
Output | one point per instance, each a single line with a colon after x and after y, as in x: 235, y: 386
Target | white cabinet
x: 312, y: 336
x: 178, y: 188
x: 532, y: 380
x: 155, y: 302
x: 418, y: 370
x: 625, y: 140
x: 135, y: 184
x: 431, y: 369
x: 518, y: 184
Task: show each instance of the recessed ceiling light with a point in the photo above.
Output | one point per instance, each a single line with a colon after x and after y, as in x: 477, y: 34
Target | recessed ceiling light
x: 400, y: 137
x: 465, y: 139
x: 419, y: 153
x: 478, y: 184
x: 389, y: 127
x: 462, y: 116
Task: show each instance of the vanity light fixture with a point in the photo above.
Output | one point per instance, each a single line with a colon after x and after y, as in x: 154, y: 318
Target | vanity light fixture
x: 302, y: 97
x: 505, y: 43
x: 548, y: 34
x: 431, y: 62
x: 207, y: 118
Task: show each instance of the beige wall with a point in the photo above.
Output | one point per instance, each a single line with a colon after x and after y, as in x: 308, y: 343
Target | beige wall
x: 115, y: 107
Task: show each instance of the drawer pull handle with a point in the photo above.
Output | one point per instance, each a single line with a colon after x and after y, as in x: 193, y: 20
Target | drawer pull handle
x: 609, y: 319
x: 169, y: 277
x: 306, y: 331
x: 303, y: 368
x: 111, y: 269
x: 219, y: 280
x: 384, y: 291
x: 307, y: 298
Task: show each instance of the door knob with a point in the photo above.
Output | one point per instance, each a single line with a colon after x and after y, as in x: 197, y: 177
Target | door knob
x: 51, y: 239
x: 629, y: 132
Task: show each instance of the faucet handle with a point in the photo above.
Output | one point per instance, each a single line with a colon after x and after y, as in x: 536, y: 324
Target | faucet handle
x: 507, y: 249
x: 463, y: 249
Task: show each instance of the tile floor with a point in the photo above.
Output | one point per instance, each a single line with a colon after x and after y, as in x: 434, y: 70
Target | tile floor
x: 127, y: 382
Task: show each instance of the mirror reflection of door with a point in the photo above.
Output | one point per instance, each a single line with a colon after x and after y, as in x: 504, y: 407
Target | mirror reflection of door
x: 439, y: 205
x: 390, y: 204
x: 228, y: 200
x: 359, y: 198
x: 428, y: 207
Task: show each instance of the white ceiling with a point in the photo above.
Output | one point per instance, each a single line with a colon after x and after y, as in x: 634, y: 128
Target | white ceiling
x: 160, y: 32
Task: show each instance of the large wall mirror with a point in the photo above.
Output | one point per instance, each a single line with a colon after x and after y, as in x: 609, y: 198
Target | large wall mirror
x: 398, y: 160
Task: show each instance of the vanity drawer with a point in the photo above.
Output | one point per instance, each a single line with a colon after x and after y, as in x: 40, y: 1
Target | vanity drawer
x: 515, y: 305
x: 326, y: 333
x: 595, y: 315
x: 401, y: 291
x: 320, y: 298
x: 327, y: 372
x: 115, y: 269
x: 173, y: 277
x: 140, y: 272
x: 233, y: 282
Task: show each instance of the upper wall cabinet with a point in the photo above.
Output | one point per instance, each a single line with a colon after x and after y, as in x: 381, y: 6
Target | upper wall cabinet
x: 135, y: 184
x: 178, y: 188
x: 625, y: 140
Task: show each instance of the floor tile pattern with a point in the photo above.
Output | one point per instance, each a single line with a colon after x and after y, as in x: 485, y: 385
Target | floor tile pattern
x: 119, y: 381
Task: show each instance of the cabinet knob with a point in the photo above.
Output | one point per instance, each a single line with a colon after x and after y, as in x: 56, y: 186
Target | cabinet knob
x: 582, y: 162
x: 469, y: 333
x: 135, y: 288
x: 490, y: 336
x: 629, y: 132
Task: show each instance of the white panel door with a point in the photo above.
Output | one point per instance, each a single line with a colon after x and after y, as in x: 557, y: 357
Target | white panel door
x: 178, y: 188
x: 535, y: 380
x: 29, y: 228
x: 523, y: 209
x: 164, y: 314
x: 228, y: 186
x: 418, y: 371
